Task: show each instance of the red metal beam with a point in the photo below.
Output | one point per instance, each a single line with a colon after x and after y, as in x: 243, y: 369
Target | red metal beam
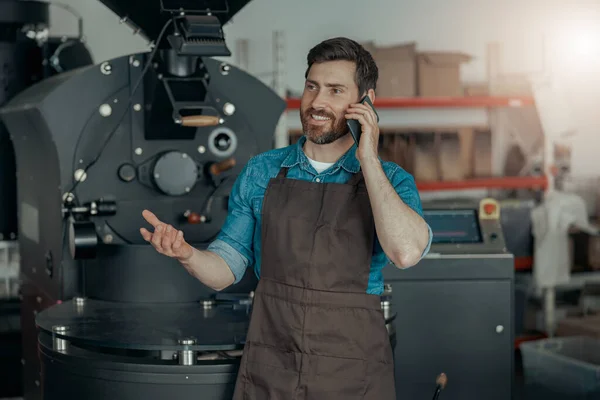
x: 441, y: 102
x: 509, y: 182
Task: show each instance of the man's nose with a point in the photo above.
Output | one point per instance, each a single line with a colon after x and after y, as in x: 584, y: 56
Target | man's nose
x: 319, y: 101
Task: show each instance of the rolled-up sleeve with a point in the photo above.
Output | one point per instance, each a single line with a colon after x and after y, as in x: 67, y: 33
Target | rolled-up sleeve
x: 234, y: 241
x: 405, y: 186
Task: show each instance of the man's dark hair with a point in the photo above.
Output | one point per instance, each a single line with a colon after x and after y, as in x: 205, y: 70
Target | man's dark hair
x: 341, y: 48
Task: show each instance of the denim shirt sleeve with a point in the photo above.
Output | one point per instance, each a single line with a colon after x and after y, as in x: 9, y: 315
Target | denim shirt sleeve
x: 405, y: 186
x: 234, y: 241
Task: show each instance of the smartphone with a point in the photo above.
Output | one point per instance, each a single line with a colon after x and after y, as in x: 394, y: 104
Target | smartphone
x: 354, y: 125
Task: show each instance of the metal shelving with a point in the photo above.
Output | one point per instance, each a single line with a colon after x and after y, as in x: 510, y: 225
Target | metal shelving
x: 442, y: 102
x: 478, y: 104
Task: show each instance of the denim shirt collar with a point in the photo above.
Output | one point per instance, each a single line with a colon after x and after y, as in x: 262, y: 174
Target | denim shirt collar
x: 296, y: 156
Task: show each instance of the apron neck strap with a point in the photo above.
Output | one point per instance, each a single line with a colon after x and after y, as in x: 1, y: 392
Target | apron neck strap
x: 282, y: 172
x: 356, y: 179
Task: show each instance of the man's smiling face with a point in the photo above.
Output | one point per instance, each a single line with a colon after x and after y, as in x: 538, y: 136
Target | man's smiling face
x: 329, y: 89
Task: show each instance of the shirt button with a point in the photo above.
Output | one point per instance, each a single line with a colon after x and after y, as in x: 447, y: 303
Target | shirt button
x: 318, y: 179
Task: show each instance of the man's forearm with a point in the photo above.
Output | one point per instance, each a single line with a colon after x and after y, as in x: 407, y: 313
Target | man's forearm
x: 210, y: 269
x: 402, y: 232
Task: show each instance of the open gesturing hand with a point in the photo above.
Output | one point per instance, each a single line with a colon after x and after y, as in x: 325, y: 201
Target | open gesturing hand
x: 166, y: 239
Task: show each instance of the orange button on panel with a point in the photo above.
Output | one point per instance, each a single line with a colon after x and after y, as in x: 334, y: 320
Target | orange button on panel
x: 489, y: 208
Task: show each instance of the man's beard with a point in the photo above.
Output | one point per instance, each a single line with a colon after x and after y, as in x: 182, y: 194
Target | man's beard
x: 323, y: 134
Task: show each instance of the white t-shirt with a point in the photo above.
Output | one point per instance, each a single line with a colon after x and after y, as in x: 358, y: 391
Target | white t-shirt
x: 318, y: 165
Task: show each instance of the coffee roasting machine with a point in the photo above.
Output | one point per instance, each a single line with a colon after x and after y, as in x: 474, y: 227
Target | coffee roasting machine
x: 168, y: 130
x: 104, y: 316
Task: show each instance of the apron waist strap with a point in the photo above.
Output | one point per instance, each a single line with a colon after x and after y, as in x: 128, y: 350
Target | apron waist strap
x: 308, y: 296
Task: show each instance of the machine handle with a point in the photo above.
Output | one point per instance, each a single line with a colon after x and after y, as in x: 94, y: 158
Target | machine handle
x: 195, y: 218
x: 200, y: 120
x: 220, y: 167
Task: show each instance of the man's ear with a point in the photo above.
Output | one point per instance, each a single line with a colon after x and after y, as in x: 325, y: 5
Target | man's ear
x: 371, y: 94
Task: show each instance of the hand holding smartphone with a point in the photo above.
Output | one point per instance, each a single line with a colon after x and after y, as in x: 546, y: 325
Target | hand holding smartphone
x: 354, y: 125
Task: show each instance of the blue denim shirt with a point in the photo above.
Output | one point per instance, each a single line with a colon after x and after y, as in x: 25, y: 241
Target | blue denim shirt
x: 239, y: 241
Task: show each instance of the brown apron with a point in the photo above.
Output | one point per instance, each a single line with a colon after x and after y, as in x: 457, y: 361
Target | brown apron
x: 314, y: 331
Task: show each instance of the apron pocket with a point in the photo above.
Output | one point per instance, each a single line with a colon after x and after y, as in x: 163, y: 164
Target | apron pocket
x: 270, y: 373
x: 276, y: 323
x: 334, y: 378
x: 338, y: 332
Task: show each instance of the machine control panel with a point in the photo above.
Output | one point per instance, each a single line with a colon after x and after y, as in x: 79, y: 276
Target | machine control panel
x: 465, y: 226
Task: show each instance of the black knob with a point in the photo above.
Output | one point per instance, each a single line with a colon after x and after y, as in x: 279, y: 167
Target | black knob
x: 222, y: 142
x: 127, y: 172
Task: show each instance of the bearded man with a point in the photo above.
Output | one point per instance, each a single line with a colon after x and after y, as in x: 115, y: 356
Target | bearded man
x: 318, y: 221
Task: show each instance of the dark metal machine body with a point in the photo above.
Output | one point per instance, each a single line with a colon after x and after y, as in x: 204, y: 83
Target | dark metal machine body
x: 168, y: 130
x: 27, y: 56
x: 455, y: 307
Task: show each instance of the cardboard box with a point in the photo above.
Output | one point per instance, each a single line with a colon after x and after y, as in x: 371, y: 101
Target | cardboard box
x: 579, y: 326
x: 397, y: 69
x: 476, y: 89
x: 511, y: 85
x: 439, y: 73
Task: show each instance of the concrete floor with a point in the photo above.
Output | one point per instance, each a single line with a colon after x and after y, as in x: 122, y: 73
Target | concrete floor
x: 520, y: 393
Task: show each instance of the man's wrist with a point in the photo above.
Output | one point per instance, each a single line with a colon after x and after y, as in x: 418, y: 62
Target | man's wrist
x: 370, y: 162
x: 186, y: 261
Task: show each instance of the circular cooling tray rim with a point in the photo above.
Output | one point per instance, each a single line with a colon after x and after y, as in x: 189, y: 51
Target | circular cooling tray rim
x: 148, y: 326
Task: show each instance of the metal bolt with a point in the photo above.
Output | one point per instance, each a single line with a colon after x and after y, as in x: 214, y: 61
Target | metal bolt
x: 68, y: 197
x: 80, y: 175
x: 385, y: 306
x: 108, y: 238
x: 499, y: 329
x: 138, y: 151
x: 59, y: 344
x: 187, y: 189
x: 136, y: 63
x: 228, y: 109
x: 201, y: 149
x: 156, y: 176
x: 207, y: 303
x: 39, y: 299
x: 137, y: 107
x: 184, y: 155
x: 79, y: 304
x: 225, y: 68
x: 188, y: 341
x: 187, y: 357
x: 105, y: 110
x: 106, y: 68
